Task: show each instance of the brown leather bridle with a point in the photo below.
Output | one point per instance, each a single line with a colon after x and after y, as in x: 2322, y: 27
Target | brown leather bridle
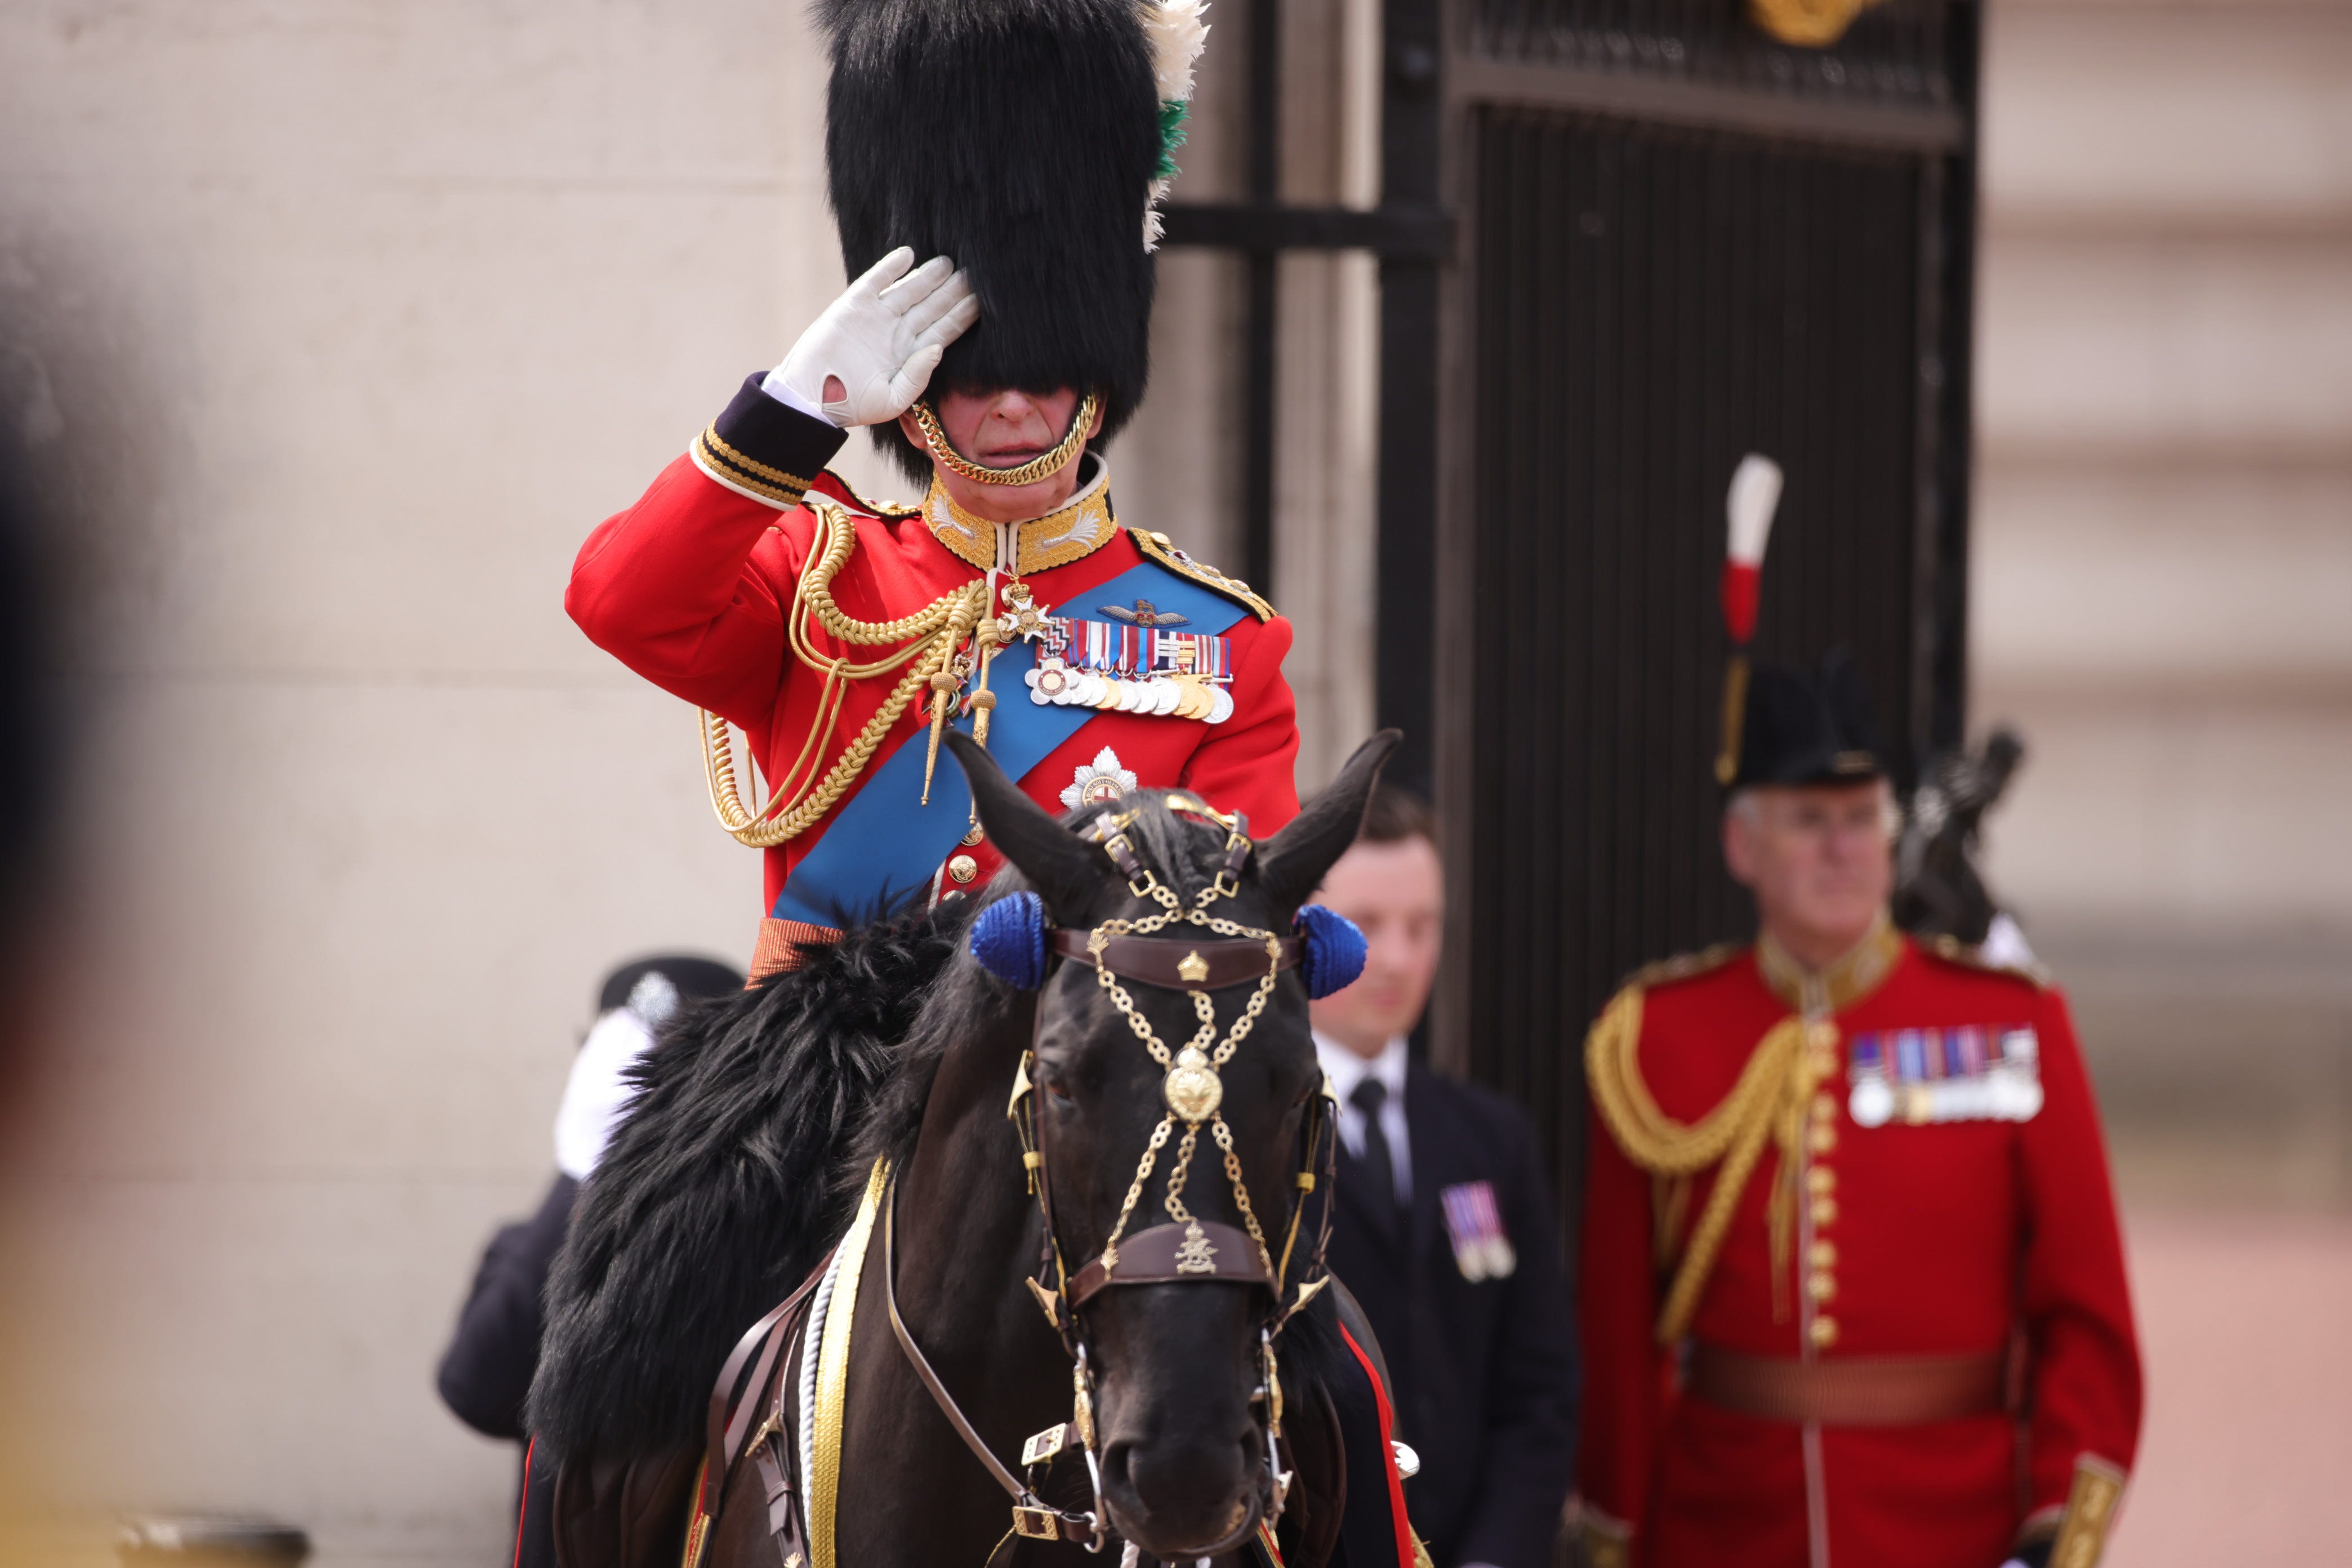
x: 1202, y: 1252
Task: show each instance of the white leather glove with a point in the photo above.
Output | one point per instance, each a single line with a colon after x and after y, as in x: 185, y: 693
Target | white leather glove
x: 882, y: 339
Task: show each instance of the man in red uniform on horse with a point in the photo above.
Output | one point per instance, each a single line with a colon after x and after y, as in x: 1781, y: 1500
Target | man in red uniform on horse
x: 1852, y: 1286
x: 992, y: 166
x: 841, y: 635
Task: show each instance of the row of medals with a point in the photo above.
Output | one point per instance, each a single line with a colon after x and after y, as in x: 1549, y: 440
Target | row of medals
x: 1055, y: 683
x: 1185, y: 695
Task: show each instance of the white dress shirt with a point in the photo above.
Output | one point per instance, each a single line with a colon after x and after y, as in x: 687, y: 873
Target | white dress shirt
x: 1347, y: 1070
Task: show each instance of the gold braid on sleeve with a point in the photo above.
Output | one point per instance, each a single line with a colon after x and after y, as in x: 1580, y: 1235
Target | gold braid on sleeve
x: 932, y: 635
x: 1769, y: 1100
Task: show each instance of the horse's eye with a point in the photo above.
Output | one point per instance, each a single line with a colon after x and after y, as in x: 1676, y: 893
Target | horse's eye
x: 1056, y: 1087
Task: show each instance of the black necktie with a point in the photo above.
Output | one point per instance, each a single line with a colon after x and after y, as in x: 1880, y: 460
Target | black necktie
x: 1379, y: 1164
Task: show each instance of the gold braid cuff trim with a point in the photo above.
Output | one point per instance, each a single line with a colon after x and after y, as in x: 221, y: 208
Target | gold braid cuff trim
x: 1768, y: 1101
x: 724, y: 464
x: 832, y: 1373
x: 2090, y: 1513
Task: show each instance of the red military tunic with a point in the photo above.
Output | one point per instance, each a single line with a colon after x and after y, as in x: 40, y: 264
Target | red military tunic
x: 698, y: 587
x: 1966, y: 1214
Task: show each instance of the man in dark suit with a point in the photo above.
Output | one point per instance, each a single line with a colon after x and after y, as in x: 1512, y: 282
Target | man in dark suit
x: 1444, y: 1228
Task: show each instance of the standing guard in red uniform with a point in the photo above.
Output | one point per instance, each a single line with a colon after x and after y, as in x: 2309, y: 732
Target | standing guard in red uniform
x: 841, y: 635
x: 1852, y: 1293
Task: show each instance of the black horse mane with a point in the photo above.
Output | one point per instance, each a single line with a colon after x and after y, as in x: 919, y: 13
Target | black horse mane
x: 757, y: 1121
x: 718, y: 1194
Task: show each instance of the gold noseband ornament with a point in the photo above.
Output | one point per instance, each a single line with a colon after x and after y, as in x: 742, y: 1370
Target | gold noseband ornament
x: 944, y: 451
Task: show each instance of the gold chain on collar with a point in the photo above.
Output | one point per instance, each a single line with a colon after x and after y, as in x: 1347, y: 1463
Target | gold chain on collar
x: 1192, y: 1088
x: 800, y: 797
x: 944, y: 451
x: 1838, y: 985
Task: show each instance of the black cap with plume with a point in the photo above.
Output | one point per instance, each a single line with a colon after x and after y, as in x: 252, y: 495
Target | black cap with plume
x: 1801, y: 727
x: 1018, y: 138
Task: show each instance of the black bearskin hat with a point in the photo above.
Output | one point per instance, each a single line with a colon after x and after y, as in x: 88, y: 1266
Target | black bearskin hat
x: 1018, y: 138
x: 1803, y: 728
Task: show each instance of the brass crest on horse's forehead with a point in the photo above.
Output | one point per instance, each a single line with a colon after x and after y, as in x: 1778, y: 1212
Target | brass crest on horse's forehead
x: 1197, y: 1254
x: 1193, y: 1087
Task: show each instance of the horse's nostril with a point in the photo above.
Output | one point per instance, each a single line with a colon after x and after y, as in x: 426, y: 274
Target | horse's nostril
x: 1115, y: 1462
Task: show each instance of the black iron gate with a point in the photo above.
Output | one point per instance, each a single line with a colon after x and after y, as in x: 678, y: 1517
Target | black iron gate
x: 1683, y: 242
x: 1624, y: 242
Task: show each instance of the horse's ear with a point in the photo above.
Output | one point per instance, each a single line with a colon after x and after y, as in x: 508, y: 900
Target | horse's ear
x: 1067, y: 871
x: 1291, y: 864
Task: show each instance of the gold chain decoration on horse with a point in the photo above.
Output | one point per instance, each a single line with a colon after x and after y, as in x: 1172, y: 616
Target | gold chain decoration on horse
x: 1193, y: 1093
x: 1191, y: 1089
x: 1010, y: 938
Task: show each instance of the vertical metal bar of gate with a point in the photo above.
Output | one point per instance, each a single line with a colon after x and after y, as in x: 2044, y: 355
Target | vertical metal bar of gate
x: 1405, y: 661
x: 1261, y: 281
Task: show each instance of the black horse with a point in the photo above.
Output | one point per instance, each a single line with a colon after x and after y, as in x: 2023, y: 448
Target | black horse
x: 762, y: 1122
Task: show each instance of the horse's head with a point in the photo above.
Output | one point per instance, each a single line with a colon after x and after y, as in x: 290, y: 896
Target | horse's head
x: 1172, y: 1090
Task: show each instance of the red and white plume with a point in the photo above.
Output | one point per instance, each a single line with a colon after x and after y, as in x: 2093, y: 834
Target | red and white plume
x: 1755, y: 496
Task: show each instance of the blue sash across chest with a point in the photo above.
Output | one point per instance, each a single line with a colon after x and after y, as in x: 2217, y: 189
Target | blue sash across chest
x: 884, y: 847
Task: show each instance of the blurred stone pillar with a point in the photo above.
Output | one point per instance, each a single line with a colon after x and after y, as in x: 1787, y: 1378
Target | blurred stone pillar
x: 1180, y: 465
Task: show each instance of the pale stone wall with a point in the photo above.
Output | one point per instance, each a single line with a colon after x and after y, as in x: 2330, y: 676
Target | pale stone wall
x: 351, y: 320
x: 2162, y: 562
x: 356, y: 317
x: 2164, y: 527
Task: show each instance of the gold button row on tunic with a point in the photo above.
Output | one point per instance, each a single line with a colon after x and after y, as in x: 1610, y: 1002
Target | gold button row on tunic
x: 1821, y: 1187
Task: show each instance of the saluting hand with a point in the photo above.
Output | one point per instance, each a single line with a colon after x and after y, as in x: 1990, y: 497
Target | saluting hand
x: 872, y: 353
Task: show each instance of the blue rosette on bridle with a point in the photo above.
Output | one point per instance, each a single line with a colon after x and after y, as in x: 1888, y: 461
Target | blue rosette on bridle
x: 1335, y: 950
x: 1009, y: 939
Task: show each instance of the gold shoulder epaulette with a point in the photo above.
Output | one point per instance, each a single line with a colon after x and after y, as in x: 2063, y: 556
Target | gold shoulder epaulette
x: 1966, y: 955
x: 879, y: 508
x: 1157, y: 546
x: 1684, y: 965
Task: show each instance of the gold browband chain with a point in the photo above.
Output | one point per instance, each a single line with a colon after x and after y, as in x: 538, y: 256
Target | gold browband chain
x: 944, y: 451
x: 800, y: 796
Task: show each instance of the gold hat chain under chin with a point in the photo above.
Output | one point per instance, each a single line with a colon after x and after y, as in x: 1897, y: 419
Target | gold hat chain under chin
x: 944, y: 451
x: 1174, y: 913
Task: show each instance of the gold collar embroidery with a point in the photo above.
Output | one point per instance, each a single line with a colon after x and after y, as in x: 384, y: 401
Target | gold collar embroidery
x: 1071, y: 532
x: 1848, y: 978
